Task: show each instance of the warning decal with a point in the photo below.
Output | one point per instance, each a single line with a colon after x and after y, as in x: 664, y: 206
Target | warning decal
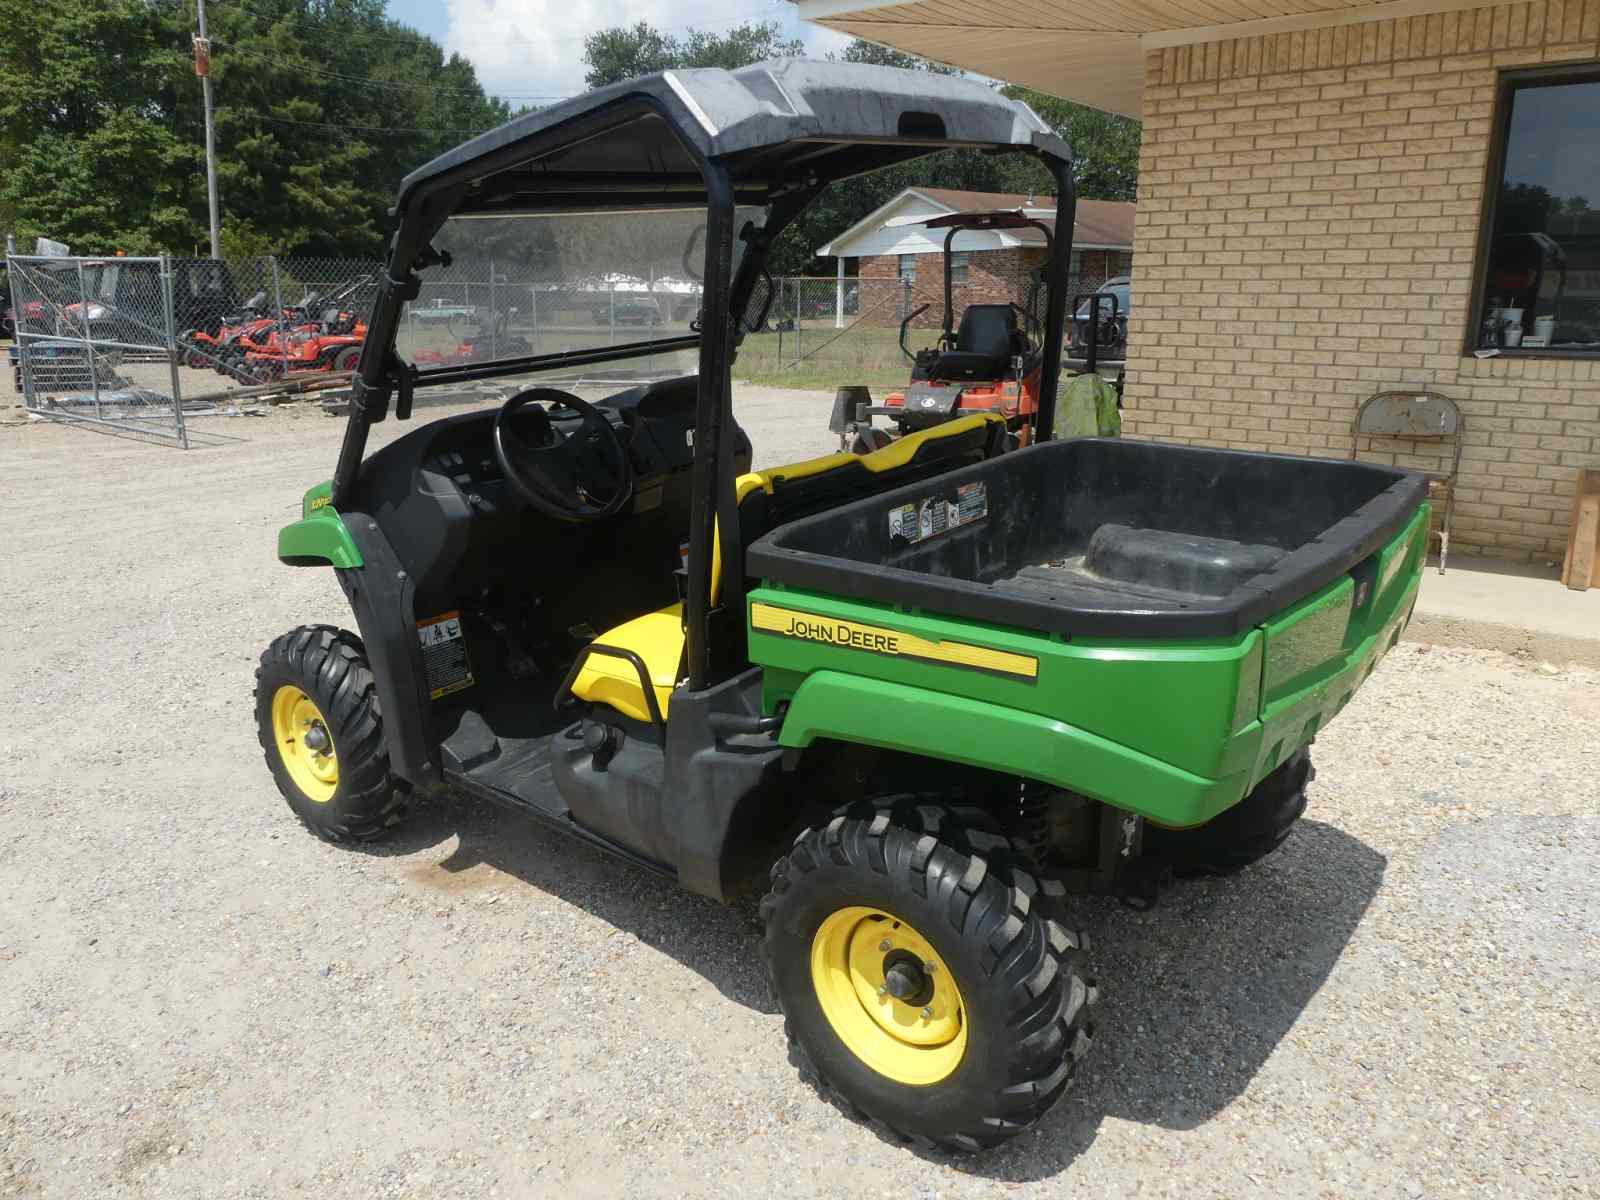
x: 935, y: 515
x: 444, y: 654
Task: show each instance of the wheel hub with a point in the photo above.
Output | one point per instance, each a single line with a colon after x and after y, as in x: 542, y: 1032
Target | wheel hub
x: 905, y: 979
x: 888, y: 995
x: 304, y: 743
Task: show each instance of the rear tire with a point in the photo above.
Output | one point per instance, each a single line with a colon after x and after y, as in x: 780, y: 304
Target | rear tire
x: 1016, y: 1008
x: 1245, y: 833
x: 319, y: 724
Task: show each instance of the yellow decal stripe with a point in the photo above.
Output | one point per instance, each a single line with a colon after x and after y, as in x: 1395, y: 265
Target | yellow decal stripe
x: 875, y: 638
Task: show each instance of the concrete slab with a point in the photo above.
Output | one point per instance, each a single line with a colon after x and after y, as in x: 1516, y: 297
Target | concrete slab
x: 1515, y: 607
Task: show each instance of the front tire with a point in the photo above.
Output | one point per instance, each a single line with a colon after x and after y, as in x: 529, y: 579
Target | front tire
x: 319, y: 724
x: 919, y: 988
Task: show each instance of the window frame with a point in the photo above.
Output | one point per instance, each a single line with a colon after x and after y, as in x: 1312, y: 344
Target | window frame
x: 960, y: 266
x: 1499, y: 137
x: 900, y: 268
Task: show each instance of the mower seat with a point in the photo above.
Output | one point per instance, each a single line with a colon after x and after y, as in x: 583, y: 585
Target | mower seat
x: 985, y: 343
x: 767, y: 499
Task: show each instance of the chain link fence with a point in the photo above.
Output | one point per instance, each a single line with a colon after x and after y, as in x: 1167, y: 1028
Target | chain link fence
x: 149, y: 342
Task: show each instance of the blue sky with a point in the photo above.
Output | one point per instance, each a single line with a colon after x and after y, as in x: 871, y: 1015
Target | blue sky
x: 525, y: 49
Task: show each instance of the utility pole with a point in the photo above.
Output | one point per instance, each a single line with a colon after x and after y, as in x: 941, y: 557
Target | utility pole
x: 202, y: 68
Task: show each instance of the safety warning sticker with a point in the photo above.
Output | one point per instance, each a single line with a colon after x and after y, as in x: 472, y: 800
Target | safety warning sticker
x: 444, y: 654
x: 937, y: 514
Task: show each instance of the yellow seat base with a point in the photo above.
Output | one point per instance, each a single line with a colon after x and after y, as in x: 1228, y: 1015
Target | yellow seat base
x: 657, y: 638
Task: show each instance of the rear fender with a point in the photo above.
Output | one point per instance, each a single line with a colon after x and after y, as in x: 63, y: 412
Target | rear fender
x: 938, y: 725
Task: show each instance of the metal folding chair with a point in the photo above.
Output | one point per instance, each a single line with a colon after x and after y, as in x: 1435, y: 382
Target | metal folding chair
x: 1417, y: 416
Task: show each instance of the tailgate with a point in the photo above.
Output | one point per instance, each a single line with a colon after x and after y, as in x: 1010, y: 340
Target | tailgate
x: 1320, y: 651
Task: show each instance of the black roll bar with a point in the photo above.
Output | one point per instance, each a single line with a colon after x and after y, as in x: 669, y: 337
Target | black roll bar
x: 1056, y: 270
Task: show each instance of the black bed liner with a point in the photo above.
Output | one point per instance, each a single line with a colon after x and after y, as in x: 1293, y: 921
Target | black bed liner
x: 1098, y: 537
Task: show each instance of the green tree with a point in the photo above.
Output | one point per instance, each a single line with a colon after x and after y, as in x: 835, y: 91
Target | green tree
x: 629, y: 51
x: 321, y: 108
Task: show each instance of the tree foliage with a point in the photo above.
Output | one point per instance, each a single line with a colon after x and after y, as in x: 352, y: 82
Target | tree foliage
x: 321, y: 107
x: 629, y: 51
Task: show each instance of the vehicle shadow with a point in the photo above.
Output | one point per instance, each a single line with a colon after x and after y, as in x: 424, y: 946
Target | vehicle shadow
x: 719, y: 942
x: 1195, y: 994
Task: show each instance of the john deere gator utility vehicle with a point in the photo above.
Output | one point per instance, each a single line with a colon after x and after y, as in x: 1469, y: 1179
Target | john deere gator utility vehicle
x: 918, y: 697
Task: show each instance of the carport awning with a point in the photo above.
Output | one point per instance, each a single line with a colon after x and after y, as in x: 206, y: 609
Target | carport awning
x: 1091, y: 51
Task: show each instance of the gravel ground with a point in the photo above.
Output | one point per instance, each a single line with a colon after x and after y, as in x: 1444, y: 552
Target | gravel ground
x: 198, y: 999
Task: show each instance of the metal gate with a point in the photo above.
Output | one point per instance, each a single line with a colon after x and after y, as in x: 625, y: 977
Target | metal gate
x: 93, y: 342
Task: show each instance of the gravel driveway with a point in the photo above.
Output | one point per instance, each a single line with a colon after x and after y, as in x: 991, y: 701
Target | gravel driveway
x: 198, y: 999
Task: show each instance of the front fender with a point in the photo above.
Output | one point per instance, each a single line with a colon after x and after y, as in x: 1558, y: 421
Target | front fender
x: 854, y: 708
x: 317, y: 541
x: 319, y: 538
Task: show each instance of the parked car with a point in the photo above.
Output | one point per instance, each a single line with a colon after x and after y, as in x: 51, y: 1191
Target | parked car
x: 627, y: 309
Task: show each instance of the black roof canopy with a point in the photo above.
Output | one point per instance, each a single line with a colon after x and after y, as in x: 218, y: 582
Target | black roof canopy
x: 775, y: 125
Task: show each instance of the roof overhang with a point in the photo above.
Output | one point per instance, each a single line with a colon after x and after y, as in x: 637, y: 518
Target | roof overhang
x: 1093, y: 52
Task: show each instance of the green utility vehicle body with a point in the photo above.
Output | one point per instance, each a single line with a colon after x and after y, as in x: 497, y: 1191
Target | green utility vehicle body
x: 1174, y: 731
x: 1165, y: 644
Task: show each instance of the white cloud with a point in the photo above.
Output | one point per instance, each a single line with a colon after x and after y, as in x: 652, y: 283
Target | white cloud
x: 528, y: 48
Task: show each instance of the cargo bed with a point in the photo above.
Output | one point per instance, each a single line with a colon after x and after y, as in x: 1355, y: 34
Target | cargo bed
x: 1103, y: 538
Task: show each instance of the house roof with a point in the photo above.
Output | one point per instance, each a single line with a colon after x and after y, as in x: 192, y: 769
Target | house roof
x: 1099, y: 225
x: 1092, y: 52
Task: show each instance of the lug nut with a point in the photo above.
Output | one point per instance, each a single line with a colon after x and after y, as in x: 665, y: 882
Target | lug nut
x: 927, y: 1013
x: 885, y: 946
x: 930, y: 967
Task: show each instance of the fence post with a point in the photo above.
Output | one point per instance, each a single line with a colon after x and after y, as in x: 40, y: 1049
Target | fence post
x: 838, y: 294
x: 24, y: 365
x: 533, y: 315
x: 777, y: 307
x: 169, y: 314
x: 277, y: 301
x: 88, y: 342
x: 611, y: 291
x: 799, y: 290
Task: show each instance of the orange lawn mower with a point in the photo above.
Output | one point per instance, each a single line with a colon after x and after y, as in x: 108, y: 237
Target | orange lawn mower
x: 989, y: 363
x: 330, y: 344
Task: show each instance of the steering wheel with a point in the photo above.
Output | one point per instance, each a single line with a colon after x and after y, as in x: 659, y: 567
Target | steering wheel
x: 562, y: 475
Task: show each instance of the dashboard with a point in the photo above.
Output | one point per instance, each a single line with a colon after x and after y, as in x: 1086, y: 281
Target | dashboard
x: 456, y: 523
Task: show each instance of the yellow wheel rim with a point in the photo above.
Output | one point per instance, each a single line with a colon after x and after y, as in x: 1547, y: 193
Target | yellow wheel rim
x: 305, y: 743
x: 888, y: 995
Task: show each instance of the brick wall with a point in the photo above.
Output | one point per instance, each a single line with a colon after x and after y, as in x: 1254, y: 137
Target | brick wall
x: 993, y: 277
x: 1308, y: 219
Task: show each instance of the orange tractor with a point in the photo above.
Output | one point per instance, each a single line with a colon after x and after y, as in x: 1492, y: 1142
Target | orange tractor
x: 988, y: 363
x: 332, y: 343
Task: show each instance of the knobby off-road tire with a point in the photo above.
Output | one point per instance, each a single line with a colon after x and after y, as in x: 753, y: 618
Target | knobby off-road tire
x: 1024, y: 998
x: 319, y: 674
x: 1245, y: 833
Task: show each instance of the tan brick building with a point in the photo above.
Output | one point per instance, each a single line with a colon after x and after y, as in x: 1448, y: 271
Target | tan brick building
x: 1324, y: 212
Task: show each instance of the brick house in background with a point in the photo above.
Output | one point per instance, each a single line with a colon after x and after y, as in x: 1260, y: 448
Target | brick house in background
x: 900, y: 263
x: 1339, y: 197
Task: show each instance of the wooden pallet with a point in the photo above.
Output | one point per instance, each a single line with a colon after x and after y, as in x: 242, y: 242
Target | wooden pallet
x: 1581, y: 570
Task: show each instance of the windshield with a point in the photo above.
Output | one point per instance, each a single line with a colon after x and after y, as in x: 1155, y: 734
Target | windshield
x: 544, y: 284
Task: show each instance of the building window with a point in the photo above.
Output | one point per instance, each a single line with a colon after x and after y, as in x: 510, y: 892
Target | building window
x: 1539, y: 289
x: 960, y: 263
x: 908, y: 268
